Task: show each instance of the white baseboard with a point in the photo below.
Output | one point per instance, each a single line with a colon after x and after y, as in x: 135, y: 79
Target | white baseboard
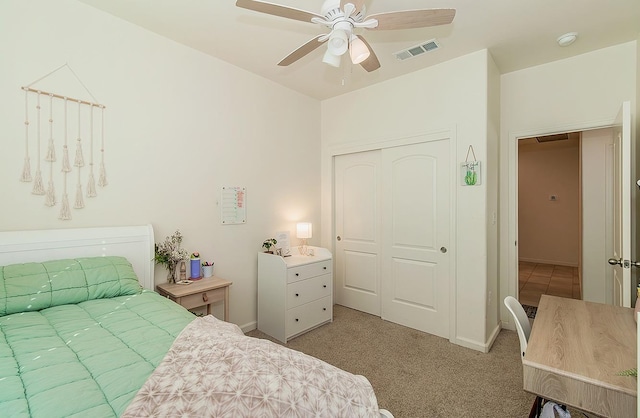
x: 249, y: 327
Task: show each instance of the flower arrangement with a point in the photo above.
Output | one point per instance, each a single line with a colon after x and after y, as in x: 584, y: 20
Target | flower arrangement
x: 168, y: 253
x: 207, y: 263
x: 195, y: 255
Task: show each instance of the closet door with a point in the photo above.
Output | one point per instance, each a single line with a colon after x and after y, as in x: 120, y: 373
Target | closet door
x: 357, y: 226
x: 415, y: 236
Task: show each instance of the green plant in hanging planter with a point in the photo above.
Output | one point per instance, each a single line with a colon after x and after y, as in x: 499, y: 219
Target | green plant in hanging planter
x: 629, y: 372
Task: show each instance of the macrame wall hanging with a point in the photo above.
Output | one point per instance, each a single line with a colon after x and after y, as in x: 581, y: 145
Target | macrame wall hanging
x: 58, y: 105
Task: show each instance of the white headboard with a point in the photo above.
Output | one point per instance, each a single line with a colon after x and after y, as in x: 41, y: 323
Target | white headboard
x: 136, y: 243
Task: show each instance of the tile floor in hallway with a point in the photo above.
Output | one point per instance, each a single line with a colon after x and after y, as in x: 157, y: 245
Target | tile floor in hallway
x: 537, y: 279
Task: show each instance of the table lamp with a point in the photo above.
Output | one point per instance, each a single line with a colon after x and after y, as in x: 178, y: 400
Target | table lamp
x: 304, y: 230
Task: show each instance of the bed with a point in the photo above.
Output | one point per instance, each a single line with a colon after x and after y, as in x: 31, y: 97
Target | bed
x: 82, y: 333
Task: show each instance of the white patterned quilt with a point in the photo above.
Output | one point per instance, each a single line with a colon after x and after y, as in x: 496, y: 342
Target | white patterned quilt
x: 214, y: 370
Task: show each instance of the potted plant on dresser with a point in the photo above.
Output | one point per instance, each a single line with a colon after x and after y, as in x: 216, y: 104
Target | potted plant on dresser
x: 268, y: 243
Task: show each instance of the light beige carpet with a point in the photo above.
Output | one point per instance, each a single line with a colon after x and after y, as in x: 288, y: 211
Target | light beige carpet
x: 418, y: 375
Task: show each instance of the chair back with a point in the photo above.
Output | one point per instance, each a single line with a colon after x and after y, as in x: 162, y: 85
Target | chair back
x: 523, y: 326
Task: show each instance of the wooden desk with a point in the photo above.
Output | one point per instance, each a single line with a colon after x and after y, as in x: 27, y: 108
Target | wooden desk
x: 199, y: 293
x: 574, y: 352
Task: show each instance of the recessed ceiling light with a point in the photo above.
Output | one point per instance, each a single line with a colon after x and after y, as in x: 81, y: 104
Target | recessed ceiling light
x: 567, y: 39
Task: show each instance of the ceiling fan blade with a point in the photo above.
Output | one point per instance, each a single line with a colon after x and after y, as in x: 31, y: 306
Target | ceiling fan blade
x: 277, y: 10
x: 371, y: 63
x: 310, y: 46
x: 359, y: 4
x: 409, y: 19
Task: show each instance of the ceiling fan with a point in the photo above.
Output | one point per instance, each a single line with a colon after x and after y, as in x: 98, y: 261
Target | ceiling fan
x: 342, y: 17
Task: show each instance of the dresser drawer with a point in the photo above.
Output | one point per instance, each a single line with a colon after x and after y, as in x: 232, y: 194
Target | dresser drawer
x: 307, y: 316
x: 202, y: 298
x: 305, y: 291
x: 298, y: 273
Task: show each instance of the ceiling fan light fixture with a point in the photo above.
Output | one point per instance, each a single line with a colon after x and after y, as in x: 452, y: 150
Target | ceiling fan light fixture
x: 358, y: 51
x: 338, y: 42
x: 331, y: 59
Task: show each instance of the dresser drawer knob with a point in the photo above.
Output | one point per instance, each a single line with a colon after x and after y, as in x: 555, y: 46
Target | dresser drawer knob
x: 297, y: 320
x: 297, y: 274
x: 325, y: 267
x: 324, y: 285
x: 297, y: 294
x: 324, y: 309
x: 205, y: 298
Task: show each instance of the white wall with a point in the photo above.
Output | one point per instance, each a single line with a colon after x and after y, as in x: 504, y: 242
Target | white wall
x: 180, y: 125
x: 549, y: 231
x: 492, y: 320
x: 577, y: 93
x: 448, y: 97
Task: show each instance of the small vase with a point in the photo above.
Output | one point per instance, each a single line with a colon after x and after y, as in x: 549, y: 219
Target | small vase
x: 171, y: 276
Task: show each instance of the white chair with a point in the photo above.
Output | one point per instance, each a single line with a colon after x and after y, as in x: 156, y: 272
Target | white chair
x: 523, y: 326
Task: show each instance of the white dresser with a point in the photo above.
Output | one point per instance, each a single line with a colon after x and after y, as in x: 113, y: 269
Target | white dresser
x: 295, y: 294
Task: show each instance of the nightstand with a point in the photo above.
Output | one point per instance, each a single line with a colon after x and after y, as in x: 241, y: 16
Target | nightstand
x: 295, y: 294
x: 199, y: 293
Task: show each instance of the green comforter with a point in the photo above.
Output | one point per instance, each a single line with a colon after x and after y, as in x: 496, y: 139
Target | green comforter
x: 87, y: 359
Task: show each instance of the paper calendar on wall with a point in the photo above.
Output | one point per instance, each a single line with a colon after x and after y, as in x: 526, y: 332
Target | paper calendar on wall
x: 233, y: 205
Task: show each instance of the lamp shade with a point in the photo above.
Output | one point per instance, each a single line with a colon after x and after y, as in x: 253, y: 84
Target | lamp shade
x: 332, y: 60
x: 304, y: 230
x: 358, y: 50
x: 338, y: 42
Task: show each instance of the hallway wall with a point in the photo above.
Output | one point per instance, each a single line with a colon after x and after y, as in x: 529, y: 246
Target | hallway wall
x: 549, y: 230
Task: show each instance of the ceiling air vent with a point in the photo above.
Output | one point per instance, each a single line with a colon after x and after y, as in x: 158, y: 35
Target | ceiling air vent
x: 416, y: 50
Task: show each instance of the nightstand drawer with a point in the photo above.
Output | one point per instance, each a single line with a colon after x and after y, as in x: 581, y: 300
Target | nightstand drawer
x: 305, y: 291
x: 202, y: 298
x: 307, y: 316
x: 298, y: 273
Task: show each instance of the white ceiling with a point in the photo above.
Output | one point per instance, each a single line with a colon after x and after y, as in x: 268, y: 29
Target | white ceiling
x: 518, y: 34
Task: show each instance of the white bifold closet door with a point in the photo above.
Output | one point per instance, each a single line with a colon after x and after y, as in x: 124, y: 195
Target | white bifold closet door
x: 392, y: 233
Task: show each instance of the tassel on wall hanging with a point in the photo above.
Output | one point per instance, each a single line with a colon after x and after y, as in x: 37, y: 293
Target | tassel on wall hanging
x: 65, y: 211
x: 91, y: 184
x: 26, y: 170
x: 38, y: 187
x: 51, y: 158
x: 58, y: 104
x: 79, y: 162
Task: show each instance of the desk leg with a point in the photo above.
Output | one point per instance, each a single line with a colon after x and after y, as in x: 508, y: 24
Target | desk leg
x: 226, y: 304
x: 208, y: 309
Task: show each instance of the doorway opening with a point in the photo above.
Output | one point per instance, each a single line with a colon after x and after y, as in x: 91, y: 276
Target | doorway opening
x: 565, y: 186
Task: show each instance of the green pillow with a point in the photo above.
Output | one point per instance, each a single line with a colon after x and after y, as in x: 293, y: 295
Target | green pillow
x: 35, y: 286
